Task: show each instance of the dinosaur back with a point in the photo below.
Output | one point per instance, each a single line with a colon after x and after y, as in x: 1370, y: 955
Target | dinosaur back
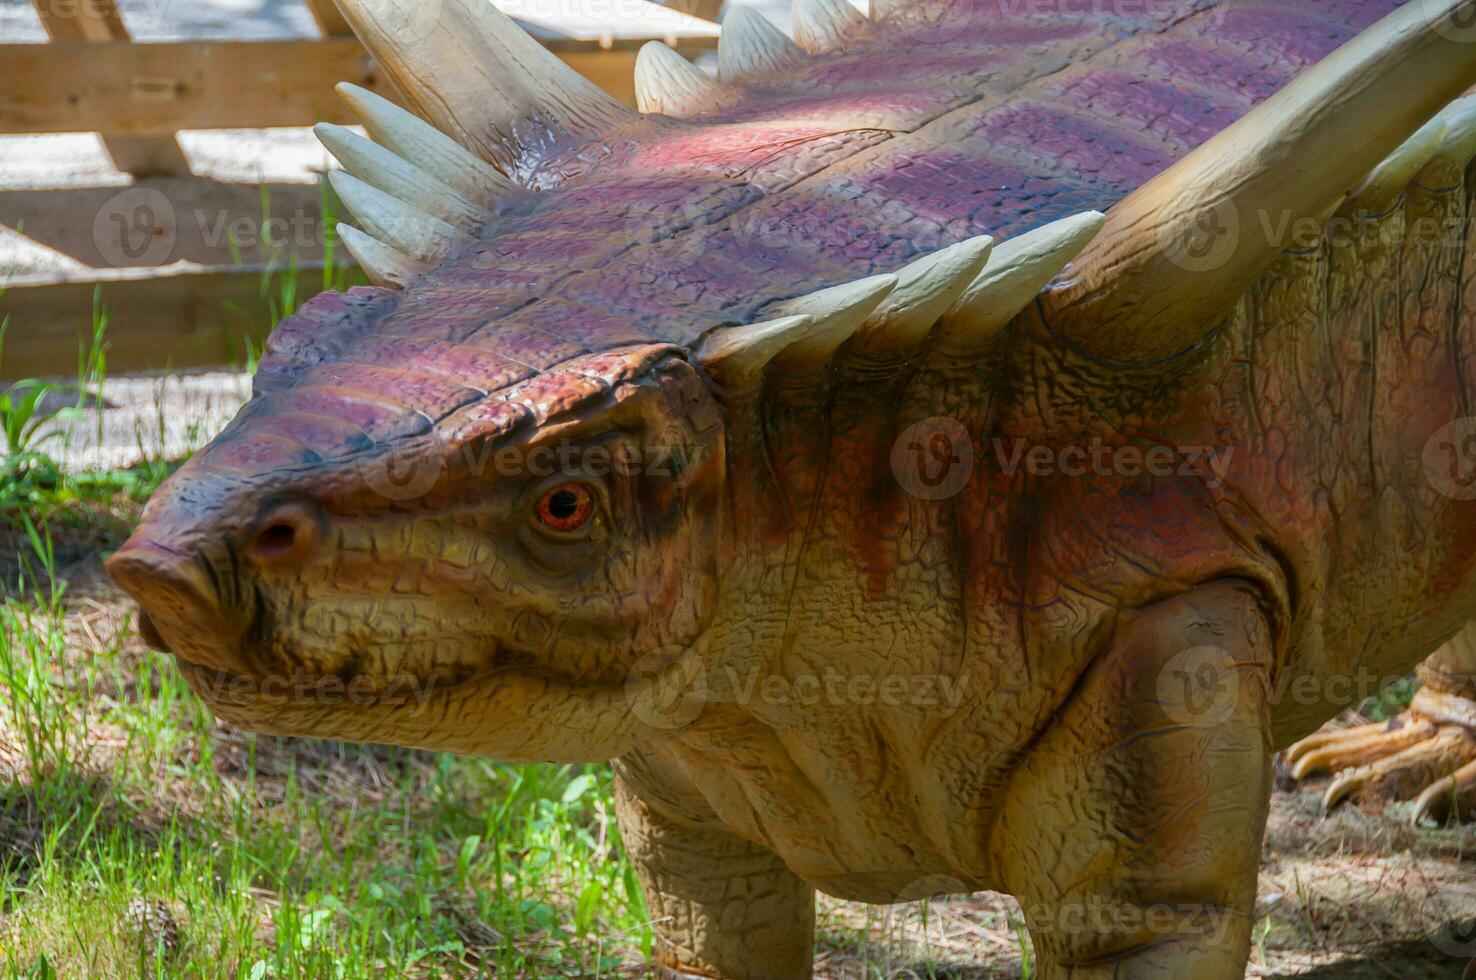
x: 933, y: 125
x: 795, y: 171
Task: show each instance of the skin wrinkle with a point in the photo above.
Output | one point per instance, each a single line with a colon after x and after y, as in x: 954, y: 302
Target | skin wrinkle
x: 810, y: 528
x: 1458, y: 357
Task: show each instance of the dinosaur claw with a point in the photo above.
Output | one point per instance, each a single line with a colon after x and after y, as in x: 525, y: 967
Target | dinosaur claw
x: 1409, y: 758
x: 1325, y: 738
x: 1344, y: 785
x: 1313, y: 762
x: 1355, y: 747
x: 1453, y: 796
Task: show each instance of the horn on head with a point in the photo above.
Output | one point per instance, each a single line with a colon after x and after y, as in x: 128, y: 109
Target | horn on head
x: 464, y: 66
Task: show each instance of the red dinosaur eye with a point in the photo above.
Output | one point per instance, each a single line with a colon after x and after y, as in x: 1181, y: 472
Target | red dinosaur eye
x: 566, y: 508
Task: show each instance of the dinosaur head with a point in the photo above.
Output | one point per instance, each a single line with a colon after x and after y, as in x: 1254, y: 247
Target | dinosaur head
x: 335, y: 563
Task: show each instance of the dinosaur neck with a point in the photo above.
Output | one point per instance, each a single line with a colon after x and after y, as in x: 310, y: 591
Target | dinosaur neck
x: 844, y: 491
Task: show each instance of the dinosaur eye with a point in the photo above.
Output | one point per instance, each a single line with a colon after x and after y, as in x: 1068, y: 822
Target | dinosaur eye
x: 566, y: 508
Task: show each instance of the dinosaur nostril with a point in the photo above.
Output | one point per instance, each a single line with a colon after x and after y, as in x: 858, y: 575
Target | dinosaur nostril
x: 275, y: 541
x: 285, y: 535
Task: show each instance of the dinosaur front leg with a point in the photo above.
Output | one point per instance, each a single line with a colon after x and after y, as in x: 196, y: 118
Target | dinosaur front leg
x: 720, y: 906
x: 1428, y: 753
x: 1132, y: 832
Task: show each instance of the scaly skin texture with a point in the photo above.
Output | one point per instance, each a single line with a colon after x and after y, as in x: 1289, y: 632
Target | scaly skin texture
x: 1061, y: 682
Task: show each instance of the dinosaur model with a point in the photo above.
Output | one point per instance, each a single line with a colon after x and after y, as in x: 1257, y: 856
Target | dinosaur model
x: 952, y: 451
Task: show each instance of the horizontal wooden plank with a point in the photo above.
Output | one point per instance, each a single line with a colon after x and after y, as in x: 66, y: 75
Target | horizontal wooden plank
x: 161, y: 221
x: 178, y: 317
x: 157, y: 89
x: 121, y: 87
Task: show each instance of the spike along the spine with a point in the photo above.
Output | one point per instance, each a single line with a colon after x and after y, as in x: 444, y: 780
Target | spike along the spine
x: 952, y: 449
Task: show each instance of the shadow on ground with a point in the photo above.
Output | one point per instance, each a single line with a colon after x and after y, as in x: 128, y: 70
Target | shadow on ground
x: 1408, y: 960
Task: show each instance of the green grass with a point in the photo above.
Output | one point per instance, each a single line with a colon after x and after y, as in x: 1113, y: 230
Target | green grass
x: 277, y: 857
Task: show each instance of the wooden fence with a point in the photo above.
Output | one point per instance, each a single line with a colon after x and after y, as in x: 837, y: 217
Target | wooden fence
x: 90, y: 76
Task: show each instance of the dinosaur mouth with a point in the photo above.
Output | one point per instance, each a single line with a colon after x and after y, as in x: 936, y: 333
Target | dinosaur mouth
x: 225, y: 688
x: 233, y: 680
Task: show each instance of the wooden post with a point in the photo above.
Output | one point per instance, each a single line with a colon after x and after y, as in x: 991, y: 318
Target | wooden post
x: 706, y: 9
x: 330, y: 21
x: 99, y: 20
x: 71, y: 86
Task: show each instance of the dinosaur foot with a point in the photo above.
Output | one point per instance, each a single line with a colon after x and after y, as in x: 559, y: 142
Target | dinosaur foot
x: 1427, y: 754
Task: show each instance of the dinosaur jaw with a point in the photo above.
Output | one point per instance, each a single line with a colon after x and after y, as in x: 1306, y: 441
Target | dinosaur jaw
x: 503, y: 706
x: 514, y: 714
x: 326, y: 650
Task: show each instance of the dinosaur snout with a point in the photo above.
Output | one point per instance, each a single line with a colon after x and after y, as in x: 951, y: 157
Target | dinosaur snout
x: 181, y: 610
